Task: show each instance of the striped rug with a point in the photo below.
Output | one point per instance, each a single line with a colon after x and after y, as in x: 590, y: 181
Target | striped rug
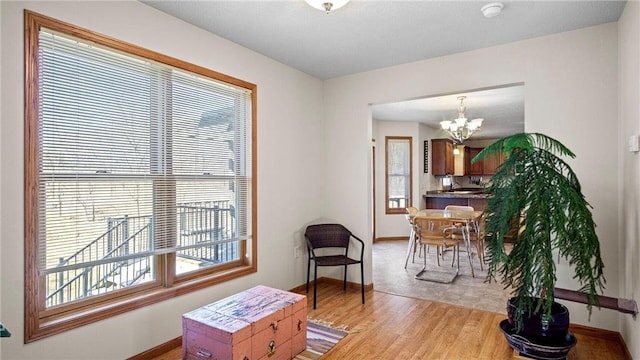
x: 320, y: 339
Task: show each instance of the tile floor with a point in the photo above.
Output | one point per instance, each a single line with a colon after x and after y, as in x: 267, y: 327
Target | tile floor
x: 390, y: 276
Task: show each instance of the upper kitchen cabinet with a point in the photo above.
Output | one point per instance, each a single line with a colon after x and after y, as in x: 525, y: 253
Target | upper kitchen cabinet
x: 491, y: 163
x: 476, y: 168
x: 486, y: 166
x: 442, y: 161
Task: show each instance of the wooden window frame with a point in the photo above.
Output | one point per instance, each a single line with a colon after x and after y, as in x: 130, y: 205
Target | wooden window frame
x: 41, y: 322
x: 390, y: 210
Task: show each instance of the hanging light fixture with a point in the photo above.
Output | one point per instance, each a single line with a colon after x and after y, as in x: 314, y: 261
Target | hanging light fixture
x: 327, y: 5
x: 461, y: 129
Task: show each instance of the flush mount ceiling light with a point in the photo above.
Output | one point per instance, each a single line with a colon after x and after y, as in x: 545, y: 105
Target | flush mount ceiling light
x: 461, y: 129
x: 492, y: 9
x: 327, y: 5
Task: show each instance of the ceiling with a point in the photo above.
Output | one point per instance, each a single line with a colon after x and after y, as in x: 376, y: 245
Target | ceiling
x: 370, y: 34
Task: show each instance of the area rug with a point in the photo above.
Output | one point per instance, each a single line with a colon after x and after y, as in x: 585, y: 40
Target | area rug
x: 320, y: 339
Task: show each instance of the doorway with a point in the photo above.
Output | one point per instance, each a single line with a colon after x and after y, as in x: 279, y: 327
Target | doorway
x: 502, y: 108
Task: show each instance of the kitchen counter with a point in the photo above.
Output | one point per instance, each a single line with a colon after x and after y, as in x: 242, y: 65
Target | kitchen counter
x: 465, y: 194
x: 439, y: 199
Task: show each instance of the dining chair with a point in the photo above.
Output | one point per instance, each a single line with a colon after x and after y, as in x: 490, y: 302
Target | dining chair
x: 334, y: 240
x: 475, y: 231
x: 459, y: 208
x: 437, y: 231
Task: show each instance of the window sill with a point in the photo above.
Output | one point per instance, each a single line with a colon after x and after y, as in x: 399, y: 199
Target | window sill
x: 80, y: 316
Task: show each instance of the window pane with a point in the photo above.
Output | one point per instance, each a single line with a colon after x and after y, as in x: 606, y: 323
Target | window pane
x: 95, y: 223
x: 207, y: 226
x: 86, y: 223
x: 208, y: 130
x: 398, y: 168
x: 94, y: 108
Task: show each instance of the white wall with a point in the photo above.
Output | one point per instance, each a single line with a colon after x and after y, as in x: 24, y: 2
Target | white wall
x: 570, y: 94
x: 629, y: 171
x: 290, y: 172
x: 393, y: 225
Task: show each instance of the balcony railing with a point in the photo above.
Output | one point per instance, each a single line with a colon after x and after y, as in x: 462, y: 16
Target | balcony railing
x: 204, y: 222
x: 124, y: 236
x: 212, y: 224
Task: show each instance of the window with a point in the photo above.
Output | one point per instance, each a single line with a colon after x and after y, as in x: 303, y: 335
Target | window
x: 138, y: 173
x: 397, y: 174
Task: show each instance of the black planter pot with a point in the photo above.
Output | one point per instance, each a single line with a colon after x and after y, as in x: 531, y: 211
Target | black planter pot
x: 553, y: 332
x: 531, y: 349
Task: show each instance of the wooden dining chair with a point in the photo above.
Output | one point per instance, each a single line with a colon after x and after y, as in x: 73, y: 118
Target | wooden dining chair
x: 438, y: 232
x: 476, y: 231
x: 459, y: 208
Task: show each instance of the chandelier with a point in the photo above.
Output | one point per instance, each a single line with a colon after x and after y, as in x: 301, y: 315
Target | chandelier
x: 327, y: 5
x: 461, y: 129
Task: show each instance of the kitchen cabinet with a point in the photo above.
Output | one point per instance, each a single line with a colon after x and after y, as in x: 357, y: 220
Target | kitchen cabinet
x: 491, y: 163
x: 442, y: 161
x: 486, y: 166
x: 472, y: 169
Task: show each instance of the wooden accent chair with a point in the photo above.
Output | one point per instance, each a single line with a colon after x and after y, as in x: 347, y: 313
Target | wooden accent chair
x: 336, y: 238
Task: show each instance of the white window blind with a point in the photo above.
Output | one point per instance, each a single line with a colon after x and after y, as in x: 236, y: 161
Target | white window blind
x: 398, y: 167
x: 135, y: 158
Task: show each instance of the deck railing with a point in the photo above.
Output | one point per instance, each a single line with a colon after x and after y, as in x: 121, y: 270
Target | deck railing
x: 211, y: 224
x: 124, y: 236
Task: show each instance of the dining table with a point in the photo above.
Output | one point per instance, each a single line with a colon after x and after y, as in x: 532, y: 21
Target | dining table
x: 464, y: 218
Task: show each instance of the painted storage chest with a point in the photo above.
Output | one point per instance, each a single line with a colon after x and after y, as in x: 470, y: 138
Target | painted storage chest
x: 256, y: 324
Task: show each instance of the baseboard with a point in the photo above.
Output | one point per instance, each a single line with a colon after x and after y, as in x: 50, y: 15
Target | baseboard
x: 158, y: 350
x: 350, y: 285
x: 625, y: 347
x: 391, y: 238
x: 595, y: 332
x: 608, y: 335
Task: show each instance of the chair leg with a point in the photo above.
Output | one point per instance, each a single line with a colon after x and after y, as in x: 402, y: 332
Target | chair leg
x: 480, y: 253
x: 470, y: 263
x: 468, y: 245
x: 453, y: 256
x: 308, y: 271
x: 410, y: 249
x: 362, y: 279
x: 344, y: 282
x: 437, y: 255
x: 424, y: 255
x: 315, y: 282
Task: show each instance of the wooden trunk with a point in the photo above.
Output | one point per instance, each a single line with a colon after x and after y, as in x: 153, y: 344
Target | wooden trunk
x: 259, y: 323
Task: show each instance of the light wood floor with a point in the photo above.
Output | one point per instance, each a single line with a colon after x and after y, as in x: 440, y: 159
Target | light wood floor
x: 396, y: 327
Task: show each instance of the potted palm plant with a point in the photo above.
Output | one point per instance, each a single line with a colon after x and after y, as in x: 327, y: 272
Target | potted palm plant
x: 536, y: 192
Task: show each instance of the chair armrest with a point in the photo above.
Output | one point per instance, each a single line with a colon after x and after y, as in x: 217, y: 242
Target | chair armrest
x: 312, y: 253
x: 361, y: 246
